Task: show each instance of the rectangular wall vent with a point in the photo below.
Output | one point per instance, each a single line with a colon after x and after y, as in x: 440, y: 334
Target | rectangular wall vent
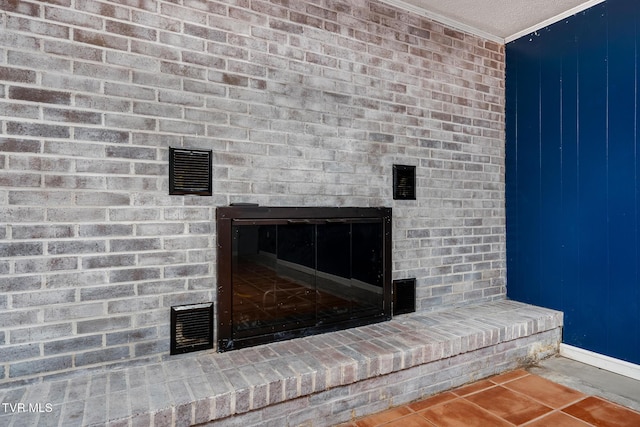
x: 191, y: 328
x: 404, y: 296
x: 404, y: 182
x: 189, y: 171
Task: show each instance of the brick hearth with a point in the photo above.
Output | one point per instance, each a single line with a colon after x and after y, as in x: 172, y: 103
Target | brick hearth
x: 316, y: 381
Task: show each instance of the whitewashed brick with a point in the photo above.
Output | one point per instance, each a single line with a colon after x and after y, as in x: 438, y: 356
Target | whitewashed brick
x: 302, y: 104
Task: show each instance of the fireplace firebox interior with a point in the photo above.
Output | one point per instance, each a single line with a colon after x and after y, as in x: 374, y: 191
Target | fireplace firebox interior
x: 290, y: 272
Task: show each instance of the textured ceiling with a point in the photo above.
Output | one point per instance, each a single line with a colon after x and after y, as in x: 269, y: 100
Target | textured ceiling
x: 499, y: 20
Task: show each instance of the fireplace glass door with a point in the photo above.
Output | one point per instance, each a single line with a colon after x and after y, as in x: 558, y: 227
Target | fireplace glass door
x: 287, y: 272
x: 293, y: 275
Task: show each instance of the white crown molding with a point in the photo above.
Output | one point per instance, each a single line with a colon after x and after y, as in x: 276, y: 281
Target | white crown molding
x: 601, y: 361
x: 401, y: 4
x: 444, y: 20
x: 553, y: 20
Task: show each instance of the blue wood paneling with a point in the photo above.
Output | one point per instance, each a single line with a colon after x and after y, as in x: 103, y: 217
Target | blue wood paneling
x: 551, y: 230
x: 568, y: 227
x: 573, y: 213
x: 592, y: 178
x: 622, y: 173
x: 527, y: 164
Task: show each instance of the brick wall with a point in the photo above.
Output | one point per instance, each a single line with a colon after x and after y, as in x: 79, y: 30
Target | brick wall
x: 303, y: 103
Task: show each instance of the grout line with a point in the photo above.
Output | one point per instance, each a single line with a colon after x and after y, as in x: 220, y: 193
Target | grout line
x: 475, y: 392
x: 526, y: 374
x: 559, y: 411
x: 455, y: 397
x: 406, y: 416
x: 579, y: 419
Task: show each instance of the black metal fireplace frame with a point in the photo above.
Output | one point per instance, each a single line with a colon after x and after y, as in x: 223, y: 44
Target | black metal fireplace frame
x: 255, y: 215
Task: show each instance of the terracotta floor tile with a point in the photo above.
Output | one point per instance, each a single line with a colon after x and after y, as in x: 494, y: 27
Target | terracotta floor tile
x: 557, y: 419
x: 509, y: 405
x: 514, y: 398
x: 472, y: 388
x: 545, y: 391
x: 383, y: 417
x: 602, y: 413
x: 460, y: 413
x: 414, y: 420
x: 432, y: 401
x: 509, y: 376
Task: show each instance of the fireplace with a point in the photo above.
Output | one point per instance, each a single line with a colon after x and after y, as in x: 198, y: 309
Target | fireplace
x: 291, y: 272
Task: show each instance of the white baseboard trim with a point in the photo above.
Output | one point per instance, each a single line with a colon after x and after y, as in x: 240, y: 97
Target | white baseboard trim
x: 601, y: 361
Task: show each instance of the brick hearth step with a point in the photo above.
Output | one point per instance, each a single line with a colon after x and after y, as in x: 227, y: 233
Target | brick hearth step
x: 320, y: 380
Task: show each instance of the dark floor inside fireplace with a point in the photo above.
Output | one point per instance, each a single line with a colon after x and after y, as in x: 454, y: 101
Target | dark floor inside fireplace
x: 273, y: 299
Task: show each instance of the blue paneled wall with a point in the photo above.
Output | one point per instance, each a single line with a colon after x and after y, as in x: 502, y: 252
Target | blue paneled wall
x: 573, y: 175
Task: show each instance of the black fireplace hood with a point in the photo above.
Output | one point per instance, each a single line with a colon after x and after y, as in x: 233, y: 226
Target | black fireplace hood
x: 286, y: 272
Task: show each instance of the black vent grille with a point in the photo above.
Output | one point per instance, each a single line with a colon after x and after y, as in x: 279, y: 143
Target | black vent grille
x: 404, y: 182
x: 191, y: 328
x: 404, y: 296
x: 189, y: 172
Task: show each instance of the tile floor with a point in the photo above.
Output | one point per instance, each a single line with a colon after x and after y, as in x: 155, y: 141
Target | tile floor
x: 516, y: 398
